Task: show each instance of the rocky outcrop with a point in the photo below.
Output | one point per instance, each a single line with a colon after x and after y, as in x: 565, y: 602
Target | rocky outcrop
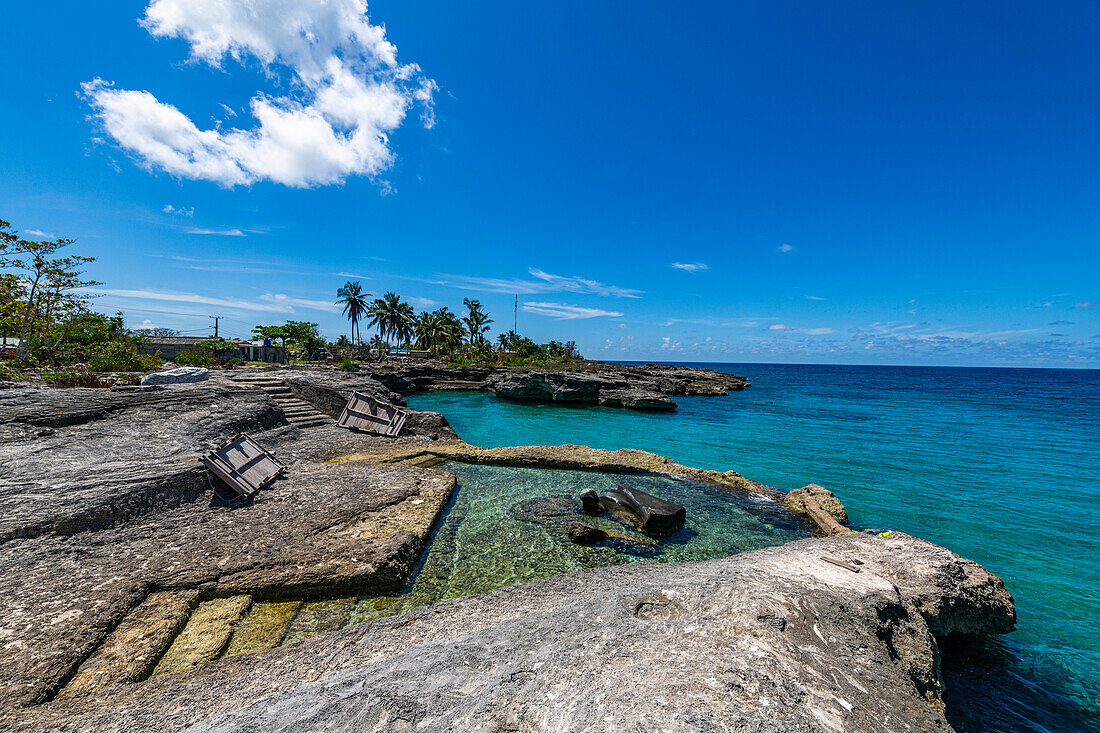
x: 329, y: 392
x: 821, y: 506
x: 104, y: 505
x: 636, y: 399
x: 640, y: 387
x: 772, y: 640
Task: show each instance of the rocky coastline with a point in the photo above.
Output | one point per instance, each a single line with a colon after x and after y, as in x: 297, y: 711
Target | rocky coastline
x: 127, y: 581
x: 633, y: 386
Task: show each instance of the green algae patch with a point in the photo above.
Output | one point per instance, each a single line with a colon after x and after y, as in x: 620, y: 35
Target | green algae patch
x: 206, y: 635
x: 263, y: 628
x: 317, y: 617
x: 132, y: 649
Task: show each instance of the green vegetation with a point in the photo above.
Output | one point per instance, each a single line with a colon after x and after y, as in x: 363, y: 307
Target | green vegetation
x: 44, y: 304
x: 456, y: 340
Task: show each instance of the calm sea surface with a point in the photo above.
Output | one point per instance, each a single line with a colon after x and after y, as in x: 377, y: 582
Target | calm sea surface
x: 999, y: 465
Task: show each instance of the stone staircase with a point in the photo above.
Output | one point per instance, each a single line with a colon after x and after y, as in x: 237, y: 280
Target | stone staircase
x: 298, y: 412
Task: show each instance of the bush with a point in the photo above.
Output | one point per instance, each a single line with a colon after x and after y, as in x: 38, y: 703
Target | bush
x: 72, y: 378
x: 11, y: 374
x: 196, y: 358
x: 233, y: 363
x: 348, y: 365
x: 120, y: 356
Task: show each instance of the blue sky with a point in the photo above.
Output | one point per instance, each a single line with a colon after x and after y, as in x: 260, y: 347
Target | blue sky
x: 784, y: 181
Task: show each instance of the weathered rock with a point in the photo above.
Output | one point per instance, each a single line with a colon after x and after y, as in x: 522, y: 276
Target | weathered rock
x: 821, y: 506
x: 650, y: 513
x: 180, y: 375
x: 103, y: 501
x: 642, y: 387
x: 590, y: 502
x: 636, y: 399
x: 772, y: 640
x: 585, y: 534
x: 550, y: 387
x: 329, y: 392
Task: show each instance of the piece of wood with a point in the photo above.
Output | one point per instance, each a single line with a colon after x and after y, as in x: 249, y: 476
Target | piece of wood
x: 243, y: 465
x: 841, y: 563
x: 367, y: 414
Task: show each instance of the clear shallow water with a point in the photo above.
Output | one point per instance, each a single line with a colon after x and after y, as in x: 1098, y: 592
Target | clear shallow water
x: 508, y: 525
x: 1000, y: 465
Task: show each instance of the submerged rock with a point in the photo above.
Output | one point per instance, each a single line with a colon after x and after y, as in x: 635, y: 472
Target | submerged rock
x: 772, y: 640
x: 585, y: 534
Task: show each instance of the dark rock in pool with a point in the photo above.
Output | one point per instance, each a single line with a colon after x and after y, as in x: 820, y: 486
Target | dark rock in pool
x: 585, y: 534
x: 651, y: 514
x: 590, y: 502
x: 545, y: 510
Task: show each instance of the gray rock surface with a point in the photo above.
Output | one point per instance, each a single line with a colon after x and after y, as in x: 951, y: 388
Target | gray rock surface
x: 329, y: 392
x: 773, y: 640
x: 103, y: 501
x: 179, y: 375
x: 643, y: 387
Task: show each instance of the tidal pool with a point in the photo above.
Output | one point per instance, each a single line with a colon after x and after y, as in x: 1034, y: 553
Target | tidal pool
x: 507, y: 525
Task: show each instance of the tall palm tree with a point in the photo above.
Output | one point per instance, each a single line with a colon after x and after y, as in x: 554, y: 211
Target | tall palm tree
x: 439, y: 331
x: 477, y: 321
x: 355, y: 305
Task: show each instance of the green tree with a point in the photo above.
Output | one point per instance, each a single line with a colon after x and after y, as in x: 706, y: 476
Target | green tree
x: 355, y: 305
x: 477, y: 321
x: 439, y: 331
x: 271, y: 332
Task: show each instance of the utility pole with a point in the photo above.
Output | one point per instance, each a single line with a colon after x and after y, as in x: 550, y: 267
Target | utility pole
x: 216, y: 319
x: 515, y: 315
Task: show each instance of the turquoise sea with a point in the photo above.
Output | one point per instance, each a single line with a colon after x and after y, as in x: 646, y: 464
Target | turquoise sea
x: 1000, y: 465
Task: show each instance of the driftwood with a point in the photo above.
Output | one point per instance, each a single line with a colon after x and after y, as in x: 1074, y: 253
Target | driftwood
x: 653, y: 515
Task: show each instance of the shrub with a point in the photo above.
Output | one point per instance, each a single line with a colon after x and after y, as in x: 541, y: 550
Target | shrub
x: 120, y: 356
x: 72, y: 378
x: 11, y: 374
x: 198, y: 358
x: 233, y: 363
x: 348, y: 365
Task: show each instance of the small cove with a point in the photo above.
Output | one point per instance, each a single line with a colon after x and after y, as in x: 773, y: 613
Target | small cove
x: 502, y: 527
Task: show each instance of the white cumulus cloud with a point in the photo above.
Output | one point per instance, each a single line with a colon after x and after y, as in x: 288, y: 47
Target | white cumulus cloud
x: 785, y: 248
x: 567, y: 312
x: 346, y: 94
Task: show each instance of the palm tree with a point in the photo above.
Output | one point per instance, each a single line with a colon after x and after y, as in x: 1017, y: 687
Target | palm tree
x: 477, y: 322
x: 355, y: 305
x: 439, y: 331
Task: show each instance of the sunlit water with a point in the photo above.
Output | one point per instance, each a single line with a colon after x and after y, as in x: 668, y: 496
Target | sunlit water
x: 1000, y: 465
x: 509, y: 525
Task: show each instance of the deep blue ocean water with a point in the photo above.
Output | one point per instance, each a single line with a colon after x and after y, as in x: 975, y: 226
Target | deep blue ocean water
x: 999, y: 465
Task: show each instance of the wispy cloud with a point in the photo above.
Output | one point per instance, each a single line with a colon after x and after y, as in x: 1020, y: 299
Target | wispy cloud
x: 784, y: 248
x: 562, y: 311
x: 543, y: 282
x: 286, y: 301
x: 1084, y: 304
x: 179, y: 211
x: 39, y: 233
x: 418, y: 302
x: 216, y: 232
x: 1060, y: 323
x: 815, y: 297
x: 175, y: 297
x: 690, y: 266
